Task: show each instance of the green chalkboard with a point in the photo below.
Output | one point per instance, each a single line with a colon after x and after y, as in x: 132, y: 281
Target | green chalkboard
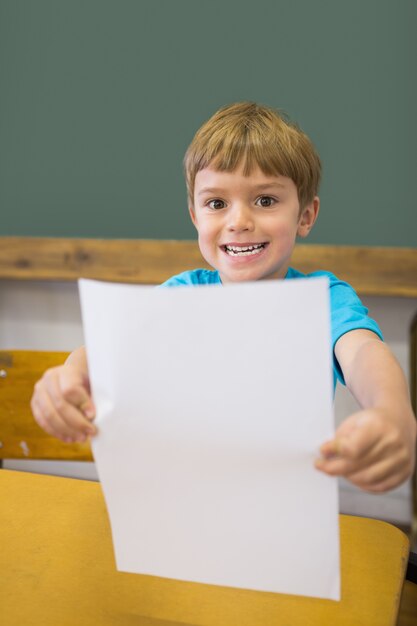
x: 100, y: 98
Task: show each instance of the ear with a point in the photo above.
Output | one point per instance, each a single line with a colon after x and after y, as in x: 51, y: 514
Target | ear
x: 308, y: 217
x: 192, y: 215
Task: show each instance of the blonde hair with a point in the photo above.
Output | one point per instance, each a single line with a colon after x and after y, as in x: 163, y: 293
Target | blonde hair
x: 256, y: 135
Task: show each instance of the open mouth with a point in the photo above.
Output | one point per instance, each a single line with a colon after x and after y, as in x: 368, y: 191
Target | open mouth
x: 249, y: 250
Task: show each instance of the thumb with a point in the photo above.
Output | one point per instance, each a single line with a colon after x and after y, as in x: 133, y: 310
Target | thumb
x: 75, y: 387
x: 344, y: 436
x: 358, y: 441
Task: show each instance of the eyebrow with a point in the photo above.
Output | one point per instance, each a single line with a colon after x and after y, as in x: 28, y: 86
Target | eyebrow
x: 256, y: 187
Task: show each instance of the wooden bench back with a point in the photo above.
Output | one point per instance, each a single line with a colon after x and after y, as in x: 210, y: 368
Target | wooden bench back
x: 20, y: 436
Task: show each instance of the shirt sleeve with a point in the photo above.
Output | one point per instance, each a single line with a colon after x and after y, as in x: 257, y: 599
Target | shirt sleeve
x: 347, y: 313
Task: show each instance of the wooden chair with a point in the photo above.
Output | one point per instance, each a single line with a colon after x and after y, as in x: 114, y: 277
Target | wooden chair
x: 20, y: 436
x: 56, y: 544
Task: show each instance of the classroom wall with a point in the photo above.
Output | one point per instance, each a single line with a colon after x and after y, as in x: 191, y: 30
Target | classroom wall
x: 41, y: 315
x: 100, y: 99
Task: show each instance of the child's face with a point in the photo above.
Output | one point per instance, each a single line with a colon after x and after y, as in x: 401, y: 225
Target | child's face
x: 247, y: 225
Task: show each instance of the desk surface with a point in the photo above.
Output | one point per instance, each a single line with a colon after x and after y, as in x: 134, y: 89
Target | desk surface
x: 58, y: 568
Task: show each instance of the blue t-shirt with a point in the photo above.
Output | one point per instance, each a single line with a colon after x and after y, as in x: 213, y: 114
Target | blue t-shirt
x: 346, y: 310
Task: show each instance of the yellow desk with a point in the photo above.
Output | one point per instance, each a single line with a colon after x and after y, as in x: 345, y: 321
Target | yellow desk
x: 58, y: 569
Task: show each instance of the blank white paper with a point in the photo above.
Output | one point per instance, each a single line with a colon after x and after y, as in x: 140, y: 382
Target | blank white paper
x: 212, y: 403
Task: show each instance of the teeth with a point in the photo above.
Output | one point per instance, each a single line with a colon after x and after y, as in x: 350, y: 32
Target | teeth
x: 244, y: 250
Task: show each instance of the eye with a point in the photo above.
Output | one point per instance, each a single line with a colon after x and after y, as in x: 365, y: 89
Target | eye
x: 265, y: 201
x: 216, y: 204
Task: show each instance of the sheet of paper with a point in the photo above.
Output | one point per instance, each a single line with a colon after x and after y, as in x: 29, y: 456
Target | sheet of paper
x: 212, y: 403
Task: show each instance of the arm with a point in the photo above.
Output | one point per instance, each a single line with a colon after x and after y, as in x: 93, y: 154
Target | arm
x: 61, y: 401
x: 375, y: 447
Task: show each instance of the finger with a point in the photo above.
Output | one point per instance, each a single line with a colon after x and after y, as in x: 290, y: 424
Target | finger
x: 64, y: 401
x: 75, y: 388
x: 385, y: 485
x: 334, y: 447
x: 49, y: 420
x: 330, y: 449
x: 396, y: 468
x: 72, y: 385
x: 341, y: 466
x: 371, y: 470
x: 332, y: 467
x: 58, y: 412
x: 85, y: 406
x: 388, y: 483
x: 357, y: 445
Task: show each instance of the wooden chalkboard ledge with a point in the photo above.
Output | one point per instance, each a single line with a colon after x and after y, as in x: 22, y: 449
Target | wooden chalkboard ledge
x: 370, y: 270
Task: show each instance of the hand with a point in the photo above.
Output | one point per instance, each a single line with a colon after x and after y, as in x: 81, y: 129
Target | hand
x: 62, y: 405
x: 372, y: 449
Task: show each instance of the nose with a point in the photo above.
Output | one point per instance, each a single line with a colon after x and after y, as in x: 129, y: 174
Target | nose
x: 240, y: 218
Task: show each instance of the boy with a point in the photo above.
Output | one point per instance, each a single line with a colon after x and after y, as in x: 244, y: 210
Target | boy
x: 252, y: 181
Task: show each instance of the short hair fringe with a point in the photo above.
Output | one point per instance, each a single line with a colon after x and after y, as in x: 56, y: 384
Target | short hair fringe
x: 254, y: 134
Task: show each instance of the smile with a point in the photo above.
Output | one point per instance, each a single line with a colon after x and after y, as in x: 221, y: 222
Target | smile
x: 248, y: 250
